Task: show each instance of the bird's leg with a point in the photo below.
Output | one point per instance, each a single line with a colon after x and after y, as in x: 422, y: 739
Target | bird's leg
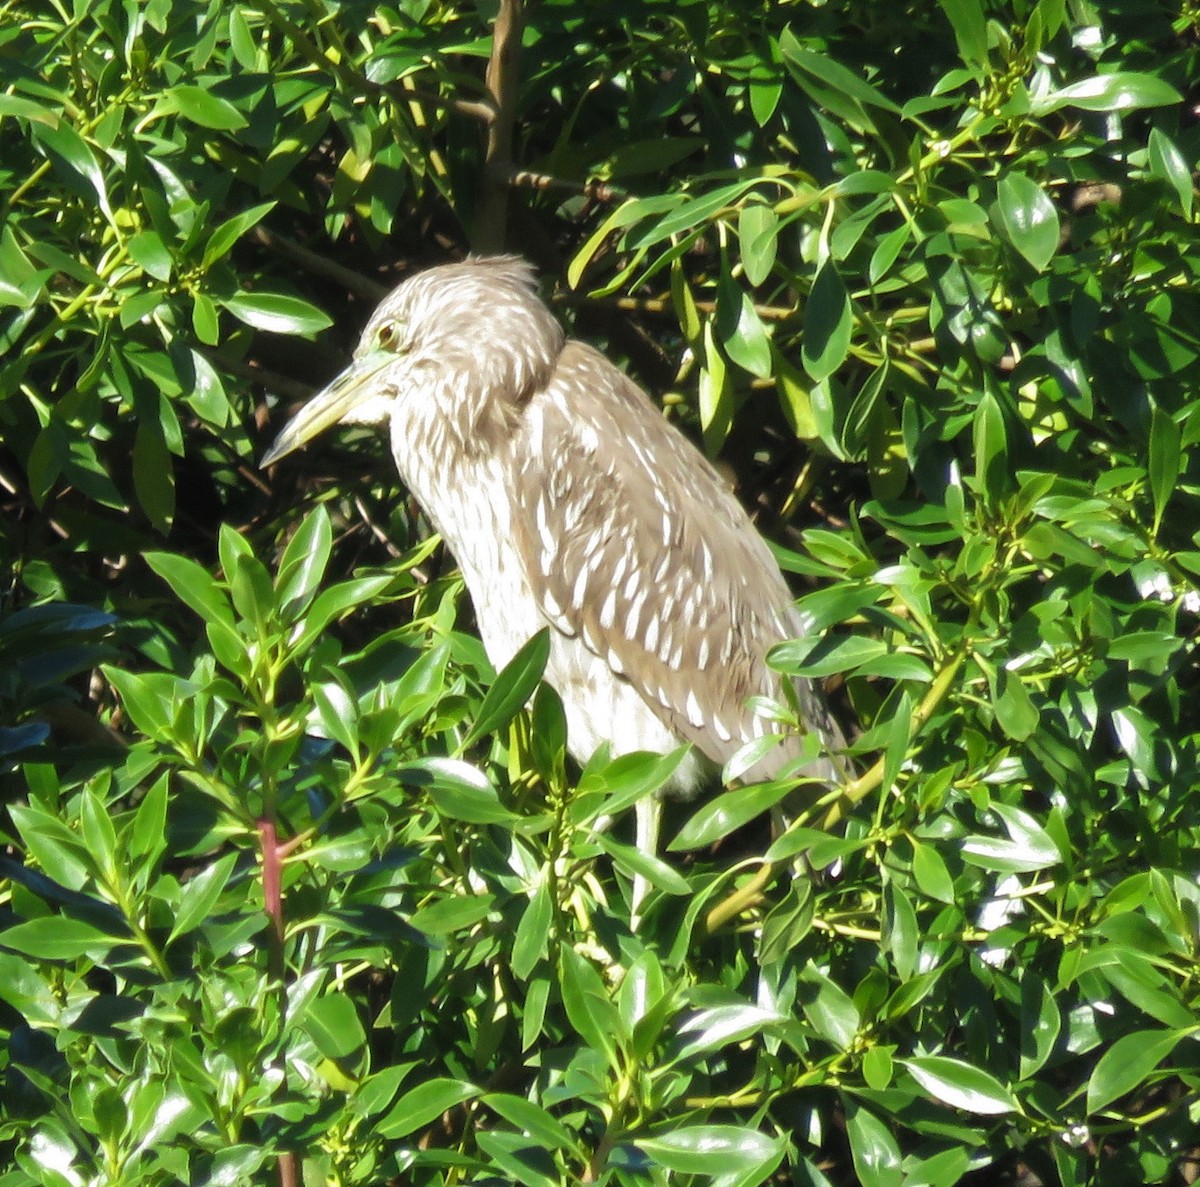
x: 647, y: 817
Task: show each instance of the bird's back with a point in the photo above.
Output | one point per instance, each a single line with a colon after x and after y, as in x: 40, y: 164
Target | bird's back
x: 641, y: 558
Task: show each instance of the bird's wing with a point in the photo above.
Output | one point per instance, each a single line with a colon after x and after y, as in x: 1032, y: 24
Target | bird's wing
x: 632, y: 543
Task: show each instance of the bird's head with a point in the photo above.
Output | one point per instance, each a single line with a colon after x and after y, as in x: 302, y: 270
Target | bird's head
x: 457, y: 348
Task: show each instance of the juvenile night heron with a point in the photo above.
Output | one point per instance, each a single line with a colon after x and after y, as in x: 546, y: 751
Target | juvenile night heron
x: 568, y: 501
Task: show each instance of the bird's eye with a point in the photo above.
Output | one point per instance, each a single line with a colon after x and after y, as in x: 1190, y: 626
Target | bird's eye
x: 387, y: 337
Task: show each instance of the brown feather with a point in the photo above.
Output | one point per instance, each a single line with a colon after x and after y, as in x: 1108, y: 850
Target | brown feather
x: 633, y: 543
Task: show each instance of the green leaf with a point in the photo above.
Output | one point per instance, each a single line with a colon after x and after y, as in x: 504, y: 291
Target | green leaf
x: 277, y: 313
x: 200, y: 895
x: 447, y: 915
x: 378, y: 1090
x: 151, y: 254
x: 338, y: 715
x: 1166, y: 460
x: 203, y: 107
x: 57, y: 849
x: 716, y: 1150
x: 154, y: 476
x: 66, y: 145
x: 828, y: 1007
x: 758, y: 229
x: 303, y: 563
x: 206, y: 321
x: 589, y: 1010
x: 874, y: 1151
x: 634, y: 157
x: 718, y: 1026
x: 829, y: 655
x: 961, y: 1085
x: 991, y: 448
x: 625, y: 780
x: 1028, y: 218
x: 147, y: 837
x: 1122, y: 90
x: 458, y: 790
x: 56, y: 938
x: 193, y: 585
x: 726, y: 812
x: 336, y: 601
x: 887, y: 250
x: 745, y: 341
x: 512, y: 688
x: 764, y: 99
x: 1041, y: 1024
x: 970, y: 31
x: 901, y: 933
x: 1016, y: 713
x: 532, y: 1119
x: 253, y: 595
x: 690, y: 212
x: 1170, y: 165
x: 715, y: 393
x: 1137, y: 736
x: 1030, y: 848
x: 931, y: 872
x: 530, y: 943
x: 145, y: 700
x: 834, y: 87
x: 828, y: 322
x: 878, y: 1067
x: 632, y: 861
x: 424, y: 1104
x: 98, y: 834
x: 1127, y: 1065
x: 231, y: 230
x: 333, y: 1024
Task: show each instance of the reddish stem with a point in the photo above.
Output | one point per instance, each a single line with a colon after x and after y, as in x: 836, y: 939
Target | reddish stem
x: 272, y: 881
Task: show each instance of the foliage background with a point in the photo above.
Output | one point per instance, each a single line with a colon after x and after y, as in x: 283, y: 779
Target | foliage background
x: 305, y: 894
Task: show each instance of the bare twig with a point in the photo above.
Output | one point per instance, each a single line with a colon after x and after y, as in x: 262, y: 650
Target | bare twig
x: 600, y: 190
x: 280, y: 385
x: 501, y: 81
x: 319, y: 265
x: 477, y: 109
x: 374, y: 528
x: 658, y: 307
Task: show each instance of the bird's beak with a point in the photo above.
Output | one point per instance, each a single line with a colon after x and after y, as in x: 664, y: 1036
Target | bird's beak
x: 352, y: 388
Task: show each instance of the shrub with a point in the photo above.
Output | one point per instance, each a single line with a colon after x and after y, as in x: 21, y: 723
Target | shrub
x: 296, y: 886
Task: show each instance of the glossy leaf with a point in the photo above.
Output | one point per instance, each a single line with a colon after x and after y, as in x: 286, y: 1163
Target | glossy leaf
x: 714, y: 1150
x: 1118, y: 91
x: 874, y: 1150
x: 423, y: 1104
x: 1127, y: 1064
x: 276, y: 312
x: 961, y: 1085
x: 1028, y: 218
x: 512, y: 688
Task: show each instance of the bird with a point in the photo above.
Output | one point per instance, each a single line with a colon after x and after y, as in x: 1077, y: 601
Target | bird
x: 570, y: 503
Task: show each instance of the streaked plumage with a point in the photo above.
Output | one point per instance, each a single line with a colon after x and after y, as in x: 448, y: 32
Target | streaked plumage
x: 568, y: 500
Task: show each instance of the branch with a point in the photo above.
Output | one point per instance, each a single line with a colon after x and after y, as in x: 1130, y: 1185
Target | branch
x: 658, y: 307
x: 501, y: 81
x: 751, y: 894
x: 292, y: 390
x: 319, y: 265
x: 600, y: 190
x: 477, y: 109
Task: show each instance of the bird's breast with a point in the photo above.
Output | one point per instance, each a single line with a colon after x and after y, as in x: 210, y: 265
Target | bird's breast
x: 470, y: 503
